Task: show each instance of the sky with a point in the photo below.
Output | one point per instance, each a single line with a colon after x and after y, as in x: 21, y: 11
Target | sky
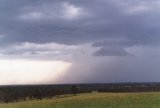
x: 79, y: 41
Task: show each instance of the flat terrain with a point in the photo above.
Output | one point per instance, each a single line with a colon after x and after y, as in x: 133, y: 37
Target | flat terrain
x: 94, y: 100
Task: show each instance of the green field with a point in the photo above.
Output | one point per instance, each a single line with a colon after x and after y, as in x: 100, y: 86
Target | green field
x: 94, y: 100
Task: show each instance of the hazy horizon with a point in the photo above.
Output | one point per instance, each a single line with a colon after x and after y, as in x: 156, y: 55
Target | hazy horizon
x: 68, y: 41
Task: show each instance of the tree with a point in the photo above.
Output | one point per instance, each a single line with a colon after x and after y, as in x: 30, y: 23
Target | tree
x: 37, y: 94
x: 74, y: 90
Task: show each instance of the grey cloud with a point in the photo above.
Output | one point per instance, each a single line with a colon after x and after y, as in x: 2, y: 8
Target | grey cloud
x: 105, y: 20
x: 111, y: 27
x: 113, y: 47
x: 48, y: 51
x: 111, y: 51
x: 115, y: 42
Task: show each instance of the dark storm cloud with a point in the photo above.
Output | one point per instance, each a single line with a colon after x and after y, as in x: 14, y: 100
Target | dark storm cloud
x: 110, y: 29
x: 113, y: 47
x: 43, y: 21
x: 40, y: 22
x: 111, y: 51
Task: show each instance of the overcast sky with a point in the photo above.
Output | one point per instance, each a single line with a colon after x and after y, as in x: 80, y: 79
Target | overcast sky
x: 79, y: 41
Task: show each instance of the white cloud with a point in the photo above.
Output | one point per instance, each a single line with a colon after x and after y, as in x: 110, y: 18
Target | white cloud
x: 45, y: 51
x: 137, y: 9
x: 137, y: 6
x: 70, y: 11
x: 63, y: 10
x: 31, y: 15
x: 30, y: 71
x: 47, y: 46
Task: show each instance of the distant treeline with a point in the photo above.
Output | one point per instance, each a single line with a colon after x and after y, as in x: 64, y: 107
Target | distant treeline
x: 29, y: 92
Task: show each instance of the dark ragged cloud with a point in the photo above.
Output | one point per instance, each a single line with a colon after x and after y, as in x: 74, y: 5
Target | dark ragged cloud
x: 111, y: 51
x: 113, y: 47
x: 90, y: 31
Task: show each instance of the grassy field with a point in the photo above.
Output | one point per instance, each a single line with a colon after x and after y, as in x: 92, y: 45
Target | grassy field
x: 95, y: 100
